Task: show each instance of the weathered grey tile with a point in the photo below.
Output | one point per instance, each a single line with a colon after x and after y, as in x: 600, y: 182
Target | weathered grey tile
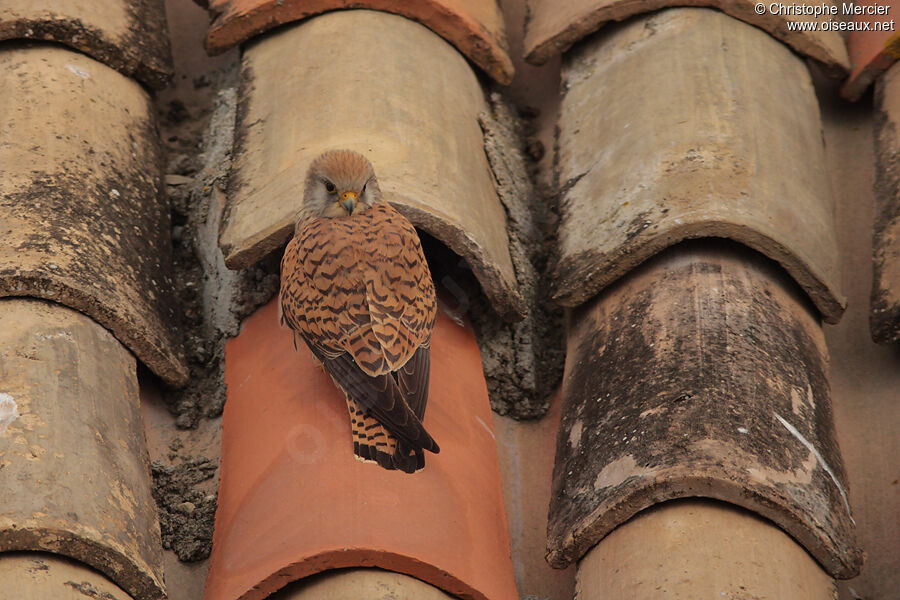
x: 130, y: 36
x: 704, y: 372
x: 83, y: 221
x: 688, y: 124
x: 885, y: 311
x: 555, y: 26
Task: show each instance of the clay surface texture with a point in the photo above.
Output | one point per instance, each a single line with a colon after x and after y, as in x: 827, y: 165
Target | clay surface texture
x: 728, y: 144
x: 703, y: 373
x: 74, y: 472
x: 83, y: 220
x: 420, y: 92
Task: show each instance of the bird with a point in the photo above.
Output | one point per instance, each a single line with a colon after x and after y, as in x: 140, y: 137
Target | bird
x: 356, y: 288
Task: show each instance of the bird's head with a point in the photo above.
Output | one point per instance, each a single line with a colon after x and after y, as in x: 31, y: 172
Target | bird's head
x: 339, y: 183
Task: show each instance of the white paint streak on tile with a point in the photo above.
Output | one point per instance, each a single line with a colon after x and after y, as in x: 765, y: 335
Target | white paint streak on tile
x: 486, y: 428
x: 821, y: 460
x: 79, y: 71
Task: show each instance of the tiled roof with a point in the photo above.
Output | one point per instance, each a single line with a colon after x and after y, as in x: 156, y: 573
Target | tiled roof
x: 698, y: 395
x: 74, y: 462
x: 45, y: 575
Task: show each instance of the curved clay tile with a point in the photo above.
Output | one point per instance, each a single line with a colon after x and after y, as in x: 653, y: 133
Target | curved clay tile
x: 555, y: 26
x: 688, y: 124
x: 884, y: 318
x: 39, y: 575
x: 871, y: 52
x: 74, y: 469
x: 293, y: 501
x: 400, y: 95
x: 130, y: 36
x: 475, y: 27
x: 700, y: 549
x: 704, y: 372
x: 360, y: 583
x: 84, y: 221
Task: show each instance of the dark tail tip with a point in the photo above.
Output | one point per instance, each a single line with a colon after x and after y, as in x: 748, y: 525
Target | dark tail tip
x: 408, y: 460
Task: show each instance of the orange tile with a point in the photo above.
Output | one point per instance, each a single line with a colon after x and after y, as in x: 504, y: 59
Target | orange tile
x: 871, y: 52
x: 475, y: 27
x: 293, y: 501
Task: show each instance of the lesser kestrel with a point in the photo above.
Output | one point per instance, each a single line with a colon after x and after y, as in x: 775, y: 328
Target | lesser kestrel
x: 356, y: 288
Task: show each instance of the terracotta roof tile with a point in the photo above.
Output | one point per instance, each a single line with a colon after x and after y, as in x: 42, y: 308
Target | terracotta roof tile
x: 871, y: 52
x: 696, y: 158
x: 475, y: 27
x: 84, y: 221
x: 680, y: 381
x: 555, y: 26
x: 401, y: 96
x: 127, y: 35
x: 293, y: 501
x: 74, y: 477
x: 885, y: 309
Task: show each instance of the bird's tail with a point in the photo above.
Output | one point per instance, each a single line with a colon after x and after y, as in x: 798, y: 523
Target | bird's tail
x: 408, y: 459
x: 371, y: 442
x: 376, y: 445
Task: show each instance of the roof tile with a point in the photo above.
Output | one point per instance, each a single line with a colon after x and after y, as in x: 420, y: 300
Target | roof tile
x: 39, y: 576
x: 871, y: 52
x: 400, y: 95
x: 475, y: 27
x: 726, y: 142
x: 700, y: 549
x: 130, y: 36
x: 75, y: 476
x: 360, y: 583
x: 293, y: 501
x: 680, y: 381
x: 885, y: 310
x: 555, y: 26
x: 84, y: 221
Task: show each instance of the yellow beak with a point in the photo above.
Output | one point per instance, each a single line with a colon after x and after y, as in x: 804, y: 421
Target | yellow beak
x: 348, y: 201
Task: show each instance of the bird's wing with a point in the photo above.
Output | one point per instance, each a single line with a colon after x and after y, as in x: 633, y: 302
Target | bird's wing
x: 325, y: 297
x: 379, y: 396
x: 399, y: 290
x: 412, y: 379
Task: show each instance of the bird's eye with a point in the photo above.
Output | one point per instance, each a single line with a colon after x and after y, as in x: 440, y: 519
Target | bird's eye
x: 330, y: 187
